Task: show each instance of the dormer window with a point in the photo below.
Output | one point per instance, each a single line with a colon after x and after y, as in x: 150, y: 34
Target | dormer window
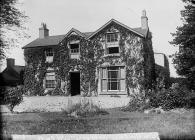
x: 74, y: 48
x: 49, y: 55
x: 112, y: 43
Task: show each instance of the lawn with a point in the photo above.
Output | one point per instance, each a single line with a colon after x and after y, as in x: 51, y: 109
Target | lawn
x: 170, y: 125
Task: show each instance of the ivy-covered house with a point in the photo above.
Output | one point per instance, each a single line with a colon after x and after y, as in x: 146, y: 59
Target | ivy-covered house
x: 113, y: 60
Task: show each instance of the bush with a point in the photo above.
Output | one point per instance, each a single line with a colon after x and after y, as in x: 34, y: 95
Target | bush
x: 136, y: 104
x: 177, y: 96
x: 13, y: 96
x: 54, y: 92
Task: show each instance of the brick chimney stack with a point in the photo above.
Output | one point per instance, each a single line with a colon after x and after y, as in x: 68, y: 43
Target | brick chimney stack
x: 144, y: 20
x: 10, y: 62
x: 43, y: 31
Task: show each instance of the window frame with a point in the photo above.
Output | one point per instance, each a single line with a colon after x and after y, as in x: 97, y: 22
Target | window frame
x: 109, y: 36
x: 113, y: 43
x: 53, y: 84
x: 118, y: 79
x: 73, y: 53
x: 48, y: 55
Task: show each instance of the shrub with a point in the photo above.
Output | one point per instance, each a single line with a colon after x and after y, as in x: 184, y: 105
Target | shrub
x: 57, y: 91
x: 136, y: 104
x: 86, y: 108
x: 177, y: 96
x: 54, y: 92
x: 13, y: 96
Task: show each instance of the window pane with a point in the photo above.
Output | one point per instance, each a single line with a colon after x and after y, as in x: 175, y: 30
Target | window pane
x: 74, y: 48
x: 113, y: 85
x: 112, y: 74
x: 50, y: 83
x: 122, y: 85
x: 112, y: 37
x: 112, y: 50
x: 104, y: 73
x: 104, y: 85
x: 49, y: 52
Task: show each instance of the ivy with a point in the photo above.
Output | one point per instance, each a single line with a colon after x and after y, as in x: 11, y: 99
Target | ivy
x: 134, y: 54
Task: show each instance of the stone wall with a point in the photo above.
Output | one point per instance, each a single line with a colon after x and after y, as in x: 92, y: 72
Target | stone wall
x: 61, y: 103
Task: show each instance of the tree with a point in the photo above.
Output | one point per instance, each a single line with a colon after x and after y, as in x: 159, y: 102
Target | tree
x: 11, y: 20
x: 184, y: 38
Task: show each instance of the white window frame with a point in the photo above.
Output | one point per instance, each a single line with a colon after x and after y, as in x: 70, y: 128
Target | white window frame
x: 75, y: 51
x: 50, y: 77
x: 112, y: 43
x: 119, y: 79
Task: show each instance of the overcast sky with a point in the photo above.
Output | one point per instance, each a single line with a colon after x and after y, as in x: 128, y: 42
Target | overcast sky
x: 89, y: 15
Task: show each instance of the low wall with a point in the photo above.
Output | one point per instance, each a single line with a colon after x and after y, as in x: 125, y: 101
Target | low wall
x: 60, y: 103
x: 122, y: 136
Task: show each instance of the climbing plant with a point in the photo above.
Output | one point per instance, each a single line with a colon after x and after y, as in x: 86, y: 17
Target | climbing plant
x: 135, y: 54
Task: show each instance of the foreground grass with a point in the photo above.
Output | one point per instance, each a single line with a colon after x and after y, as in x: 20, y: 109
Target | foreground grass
x: 169, y: 125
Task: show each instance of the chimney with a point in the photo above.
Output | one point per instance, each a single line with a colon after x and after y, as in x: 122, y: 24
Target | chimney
x: 144, y: 20
x: 10, y: 62
x: 43, y: 31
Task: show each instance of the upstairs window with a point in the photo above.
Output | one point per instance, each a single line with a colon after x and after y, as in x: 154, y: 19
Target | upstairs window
x: 113, y: 50
x: 112, y: 44
x: 112, y: 37
x: 49, y: 55
x: 74, y: 48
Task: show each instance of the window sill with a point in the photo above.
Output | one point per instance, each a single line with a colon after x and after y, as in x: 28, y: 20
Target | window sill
x: 114, y: 54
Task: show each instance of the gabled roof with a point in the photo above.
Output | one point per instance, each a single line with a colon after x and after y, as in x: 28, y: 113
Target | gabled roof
x: 138, y: 31
x: 55, y: 40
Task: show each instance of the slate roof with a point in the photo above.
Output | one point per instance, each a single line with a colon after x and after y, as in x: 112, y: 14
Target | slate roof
x: 55, y: 40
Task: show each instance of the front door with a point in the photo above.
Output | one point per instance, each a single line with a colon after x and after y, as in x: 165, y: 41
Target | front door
x: 75, y: 83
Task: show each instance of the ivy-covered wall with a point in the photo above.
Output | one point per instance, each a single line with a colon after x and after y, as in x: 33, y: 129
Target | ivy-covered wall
x: 136, y: 55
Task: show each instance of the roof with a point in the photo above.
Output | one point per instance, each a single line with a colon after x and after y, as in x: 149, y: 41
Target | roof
x: 11, y: 76
x: 138, y: 31
x: 47, y: 41
x: 55, y: 40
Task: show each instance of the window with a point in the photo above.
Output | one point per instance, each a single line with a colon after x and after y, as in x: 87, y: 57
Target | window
x: 112, y: 50
x: 113, y: 79
x: 112, y: 43
x: 49, y: 55
x: 50, y: 80
x: 74, y: 48
x: 112, y: 37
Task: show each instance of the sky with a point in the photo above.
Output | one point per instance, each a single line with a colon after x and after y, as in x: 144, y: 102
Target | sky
x: 89, y: 15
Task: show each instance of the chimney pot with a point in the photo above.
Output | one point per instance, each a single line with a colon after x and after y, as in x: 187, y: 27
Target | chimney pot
x: 144, y: 20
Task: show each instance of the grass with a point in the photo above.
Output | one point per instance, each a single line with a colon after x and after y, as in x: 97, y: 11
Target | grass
x: 169, y: 125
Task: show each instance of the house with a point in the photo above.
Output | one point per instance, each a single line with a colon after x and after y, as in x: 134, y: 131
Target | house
x: 114, y: 60
x: 12, y: 75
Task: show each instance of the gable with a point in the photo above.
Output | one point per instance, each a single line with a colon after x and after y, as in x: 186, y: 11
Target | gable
x: 138, y: 31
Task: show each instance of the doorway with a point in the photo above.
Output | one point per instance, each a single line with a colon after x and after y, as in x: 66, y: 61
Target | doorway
x: 74, y: 83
